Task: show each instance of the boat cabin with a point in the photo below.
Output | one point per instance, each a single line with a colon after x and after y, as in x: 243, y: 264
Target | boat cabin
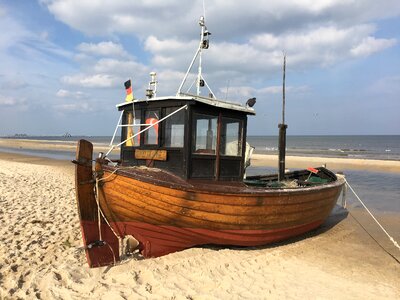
x: 192, y: 137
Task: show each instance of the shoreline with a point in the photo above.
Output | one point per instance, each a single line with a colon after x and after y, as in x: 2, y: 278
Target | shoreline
x: 50, y: 145
x: 334, y: 163
x: 257, y: 160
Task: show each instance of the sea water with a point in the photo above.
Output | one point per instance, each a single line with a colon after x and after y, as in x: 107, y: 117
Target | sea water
x: 384, y: 147
x: 379, y: 191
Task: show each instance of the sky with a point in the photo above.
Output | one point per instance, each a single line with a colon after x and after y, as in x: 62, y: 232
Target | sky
x: 63, y: 62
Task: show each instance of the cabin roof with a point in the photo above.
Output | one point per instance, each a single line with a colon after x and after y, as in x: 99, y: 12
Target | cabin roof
x: 205, y: 100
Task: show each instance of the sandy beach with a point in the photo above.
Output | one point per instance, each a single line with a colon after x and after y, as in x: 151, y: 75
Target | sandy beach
x: 55, y: 145
x: 40, y: 255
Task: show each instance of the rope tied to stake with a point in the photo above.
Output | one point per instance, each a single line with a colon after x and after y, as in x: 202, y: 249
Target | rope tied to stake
x: 377, y: 222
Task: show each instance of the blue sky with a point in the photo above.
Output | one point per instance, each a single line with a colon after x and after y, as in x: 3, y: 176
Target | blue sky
x: 63, y: 62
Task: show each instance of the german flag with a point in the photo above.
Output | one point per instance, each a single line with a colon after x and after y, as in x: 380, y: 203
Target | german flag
x: 128, y: 87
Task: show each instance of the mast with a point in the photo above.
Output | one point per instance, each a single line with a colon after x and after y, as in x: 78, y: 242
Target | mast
x: 204, y: 44
x: 282, y: 129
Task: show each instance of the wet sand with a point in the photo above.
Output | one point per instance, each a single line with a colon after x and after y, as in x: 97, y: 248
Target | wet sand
x: 336, y: 164
x: 40, y: 254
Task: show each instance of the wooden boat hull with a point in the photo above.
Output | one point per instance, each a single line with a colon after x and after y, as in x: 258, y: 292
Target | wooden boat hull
x: 166, y: 214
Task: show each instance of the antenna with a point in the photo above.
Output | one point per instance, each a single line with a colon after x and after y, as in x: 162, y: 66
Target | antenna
x: 204, y: 10
x: 204, y: 44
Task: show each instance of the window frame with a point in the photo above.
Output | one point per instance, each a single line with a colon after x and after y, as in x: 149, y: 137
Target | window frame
x: 164, y: 127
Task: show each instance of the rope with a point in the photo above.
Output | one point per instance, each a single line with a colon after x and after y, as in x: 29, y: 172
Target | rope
x: 377, y: 222
x: 358, y: 222
x: 100, y: 212
x: 147, y: 128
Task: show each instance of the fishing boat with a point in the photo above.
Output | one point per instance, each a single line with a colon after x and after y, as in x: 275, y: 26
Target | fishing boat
x: 180, y: 180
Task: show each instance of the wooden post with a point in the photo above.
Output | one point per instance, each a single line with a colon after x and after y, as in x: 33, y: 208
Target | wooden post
x: 282, y: 151
x: 282, y: 129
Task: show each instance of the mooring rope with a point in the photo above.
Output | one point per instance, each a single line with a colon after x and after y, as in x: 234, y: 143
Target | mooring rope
x: 100, y: 212
x: 377, y: 222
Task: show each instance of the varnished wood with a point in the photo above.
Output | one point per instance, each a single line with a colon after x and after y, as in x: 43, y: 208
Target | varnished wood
x: 137, y: 200
x: 151, y: 154
x: 84, y: 183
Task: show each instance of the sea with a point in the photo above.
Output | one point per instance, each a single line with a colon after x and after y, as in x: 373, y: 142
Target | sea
x: 380, y: 191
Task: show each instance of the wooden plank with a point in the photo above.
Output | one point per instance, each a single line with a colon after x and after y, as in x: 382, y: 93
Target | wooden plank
x: 87, y: 208
x: 151, y: 154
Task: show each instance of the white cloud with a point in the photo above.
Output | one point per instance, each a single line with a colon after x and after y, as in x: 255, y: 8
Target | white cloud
x: 104, y: 65
x: 103, y: 49
x: 322, y: 46
x: 247, y: 40
x: 227, y: 18
x: 74, y: 107
x: 121, y: 67
x: 61, y: 93
x: 244, y: 92
x: 7, y: 101
x: 370, y: 45
x: 92, y: 81
x: 117, y: 16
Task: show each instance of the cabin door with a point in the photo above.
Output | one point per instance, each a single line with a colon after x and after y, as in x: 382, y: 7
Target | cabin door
x: 217, y: 142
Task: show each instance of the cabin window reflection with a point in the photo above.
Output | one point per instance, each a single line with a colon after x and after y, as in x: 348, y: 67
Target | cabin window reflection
x: 231, y: 137
x: 130, y: 131
x: 151, y: 135
x: 206, y: 134
x: 174, y: 128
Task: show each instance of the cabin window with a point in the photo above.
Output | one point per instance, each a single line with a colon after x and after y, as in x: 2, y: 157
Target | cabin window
x: 206, y: 133
x: 151, y: 135
x: 231, y: 137
x: 130, y: 119
x: 174, y: 128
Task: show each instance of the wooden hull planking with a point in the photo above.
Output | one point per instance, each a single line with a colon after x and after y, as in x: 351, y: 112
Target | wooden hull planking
x: 166, y: 220
x: 171, y: 215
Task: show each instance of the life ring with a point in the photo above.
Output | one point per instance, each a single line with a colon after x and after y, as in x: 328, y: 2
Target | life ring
x: 151, y: 121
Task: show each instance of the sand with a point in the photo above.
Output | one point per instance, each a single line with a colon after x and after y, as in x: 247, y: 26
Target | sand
x: 50, y: 145
x: 40, y: 255
x: 337, y: 164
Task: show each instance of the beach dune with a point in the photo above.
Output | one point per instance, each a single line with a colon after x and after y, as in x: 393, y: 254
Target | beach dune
x: 40, y: 254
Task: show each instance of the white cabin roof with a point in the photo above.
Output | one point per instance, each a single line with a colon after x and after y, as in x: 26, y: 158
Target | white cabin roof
x: 206, y: 100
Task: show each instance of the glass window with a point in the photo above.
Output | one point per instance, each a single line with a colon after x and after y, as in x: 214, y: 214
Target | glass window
x: 231, y: 138
x: 131, y: 130
x: 206, y: 134
x: 174, y: 128
x: 151, y: 135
